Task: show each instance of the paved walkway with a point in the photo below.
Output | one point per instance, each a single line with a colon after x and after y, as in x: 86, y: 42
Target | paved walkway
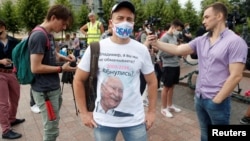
x: 183, y: 127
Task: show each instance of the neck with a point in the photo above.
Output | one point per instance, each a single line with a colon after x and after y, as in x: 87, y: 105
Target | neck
x: 217, y: 30
x: 46, y: 26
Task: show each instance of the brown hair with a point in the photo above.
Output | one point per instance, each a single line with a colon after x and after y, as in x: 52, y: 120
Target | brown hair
x: 177, y: 22
x: 220, y: 8
x: 60, y: 12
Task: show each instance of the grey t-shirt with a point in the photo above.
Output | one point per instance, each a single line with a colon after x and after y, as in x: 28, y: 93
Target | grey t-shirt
x: 169, y: 60
x: 37, y: 45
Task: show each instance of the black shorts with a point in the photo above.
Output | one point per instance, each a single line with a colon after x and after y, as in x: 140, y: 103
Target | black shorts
x: 170, y: 76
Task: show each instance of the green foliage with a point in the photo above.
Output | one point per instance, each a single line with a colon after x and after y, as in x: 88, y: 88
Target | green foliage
x: 32, y: 12
x: 9, y: 15
x: 65, y: 3
x: 190, y: 16
x: 157, y: 9
x: 206, y: 3
x: 107, y: 6
x: 174, y: 10
x: 140, y: 15
x: 82, y: 17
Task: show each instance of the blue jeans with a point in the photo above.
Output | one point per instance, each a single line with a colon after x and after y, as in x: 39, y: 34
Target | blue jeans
x: 210, y: 113
x: 133, y: 133
x: 51, y: 129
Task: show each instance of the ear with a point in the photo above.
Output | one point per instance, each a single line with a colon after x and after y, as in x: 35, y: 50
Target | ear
x: 111, y: 24
x: 219, y: 16
x: 53, y: 17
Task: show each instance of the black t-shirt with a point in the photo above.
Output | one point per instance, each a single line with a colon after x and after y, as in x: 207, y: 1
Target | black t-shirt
x: 38, y: 45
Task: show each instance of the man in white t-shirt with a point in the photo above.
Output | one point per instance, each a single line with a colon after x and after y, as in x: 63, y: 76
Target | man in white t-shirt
x: 123, y: 58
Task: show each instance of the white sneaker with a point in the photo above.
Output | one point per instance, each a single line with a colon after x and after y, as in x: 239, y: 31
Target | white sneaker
x: 175, y: 109
x: 35, y: 109
x: 166, y: 113
x: 160, y: 89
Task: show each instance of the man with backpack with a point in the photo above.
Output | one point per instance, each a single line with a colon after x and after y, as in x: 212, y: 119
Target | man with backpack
x: 46, y: 84
x: 9, y: 86
x: 123, y: 58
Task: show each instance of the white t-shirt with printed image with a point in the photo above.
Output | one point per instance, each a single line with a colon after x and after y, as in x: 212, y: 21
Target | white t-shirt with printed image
x: 124, y: 61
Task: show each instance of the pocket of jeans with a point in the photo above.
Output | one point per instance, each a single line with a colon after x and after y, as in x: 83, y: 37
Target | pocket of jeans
x: 214, y: 106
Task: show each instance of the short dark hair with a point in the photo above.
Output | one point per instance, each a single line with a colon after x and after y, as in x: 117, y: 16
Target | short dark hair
x: 2, y: 23
x: 60, y: 12
x: 219, y: 7
x: 177, y: 22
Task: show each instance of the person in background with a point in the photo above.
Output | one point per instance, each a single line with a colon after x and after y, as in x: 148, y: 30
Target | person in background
x: 95, y: 29
x: 34, y: 108
x: 153, y: 52
x: 69, y: 43
x: 107, y: 33
x: 76, y: 45
x: 123, y: 58
x: 46, y: 85
x: 221, y: 56
x: 171, y: 69
x: 187, y: 36
x: 9, y: 86
x: 246, y: 118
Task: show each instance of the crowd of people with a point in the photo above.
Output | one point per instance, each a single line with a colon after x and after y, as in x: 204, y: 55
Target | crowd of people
x: 130, y: 72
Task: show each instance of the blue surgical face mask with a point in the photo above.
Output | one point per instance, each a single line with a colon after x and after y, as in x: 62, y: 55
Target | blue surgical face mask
x: 123, y: 29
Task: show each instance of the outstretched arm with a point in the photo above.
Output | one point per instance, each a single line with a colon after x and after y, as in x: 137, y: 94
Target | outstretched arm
x: 183, y: 49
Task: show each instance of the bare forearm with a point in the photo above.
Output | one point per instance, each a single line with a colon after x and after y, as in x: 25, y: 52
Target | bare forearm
x: 166, y: 47
x: 152, y: 97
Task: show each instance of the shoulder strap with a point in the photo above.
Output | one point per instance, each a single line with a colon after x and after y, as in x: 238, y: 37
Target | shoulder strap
x: 95, y: 51
x: 46, y: 34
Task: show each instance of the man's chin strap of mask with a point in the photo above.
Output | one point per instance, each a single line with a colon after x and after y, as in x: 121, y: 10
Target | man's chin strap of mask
x: 123, y: 29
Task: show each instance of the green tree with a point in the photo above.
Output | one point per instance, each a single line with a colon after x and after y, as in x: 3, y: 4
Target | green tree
x: 9, y: 15
x: 174, y: 11
x: 205, y: 3
x: 65, y: 3
x: 190, y: 16
x: 154, y: 10
x: 32, y: 12
x: 139, y: 14
x: 82, y: 16
x: 107, y: 7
